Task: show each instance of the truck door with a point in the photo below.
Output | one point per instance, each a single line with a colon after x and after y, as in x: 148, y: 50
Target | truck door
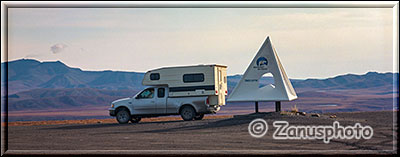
x: 144, y: 103
x: 161, y: 100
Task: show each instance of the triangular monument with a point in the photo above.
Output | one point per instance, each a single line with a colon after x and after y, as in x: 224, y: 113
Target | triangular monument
x: 265, y: 61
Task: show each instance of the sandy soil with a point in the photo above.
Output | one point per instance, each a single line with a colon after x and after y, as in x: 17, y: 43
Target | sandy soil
x: 210, y: 135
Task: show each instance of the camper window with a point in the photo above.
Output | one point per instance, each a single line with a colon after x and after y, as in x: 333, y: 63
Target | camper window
x: 154, y: 76
x: 148, y: 93
x: 187, y: 78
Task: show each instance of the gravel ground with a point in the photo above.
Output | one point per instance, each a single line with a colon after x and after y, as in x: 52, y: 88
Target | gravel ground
x: 208, y: 136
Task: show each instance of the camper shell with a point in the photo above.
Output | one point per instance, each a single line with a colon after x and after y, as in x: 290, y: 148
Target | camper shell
x: 187, y: 81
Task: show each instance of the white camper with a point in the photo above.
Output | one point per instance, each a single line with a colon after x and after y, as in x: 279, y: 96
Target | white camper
x: 197, y: 80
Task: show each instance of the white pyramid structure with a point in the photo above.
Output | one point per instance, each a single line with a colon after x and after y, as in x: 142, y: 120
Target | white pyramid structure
x: 265, y: 61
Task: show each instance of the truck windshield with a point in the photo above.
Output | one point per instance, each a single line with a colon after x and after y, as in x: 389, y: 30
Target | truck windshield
x: 148, y: 93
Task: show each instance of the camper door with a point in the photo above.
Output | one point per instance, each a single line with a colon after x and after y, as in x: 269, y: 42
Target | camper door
x: 221, y: 85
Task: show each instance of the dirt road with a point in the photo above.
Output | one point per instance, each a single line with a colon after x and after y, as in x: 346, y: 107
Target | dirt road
x: 226, y: 135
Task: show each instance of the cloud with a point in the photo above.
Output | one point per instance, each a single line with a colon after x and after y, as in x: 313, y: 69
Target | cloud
x: 57, y: 48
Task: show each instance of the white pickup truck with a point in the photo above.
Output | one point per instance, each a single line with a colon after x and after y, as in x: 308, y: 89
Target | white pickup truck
x: 190, y: 91
x: 154, y: 101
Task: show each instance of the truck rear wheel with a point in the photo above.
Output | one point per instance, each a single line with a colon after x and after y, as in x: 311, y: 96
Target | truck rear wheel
x: 188, y: 113
x: 199, y: 117
x: 123, y: 116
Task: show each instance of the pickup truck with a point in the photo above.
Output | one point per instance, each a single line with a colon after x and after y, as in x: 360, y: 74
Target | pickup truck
x: 154, y: 101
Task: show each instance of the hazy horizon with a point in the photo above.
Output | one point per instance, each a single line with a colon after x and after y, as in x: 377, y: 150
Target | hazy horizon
x: 310, y: 42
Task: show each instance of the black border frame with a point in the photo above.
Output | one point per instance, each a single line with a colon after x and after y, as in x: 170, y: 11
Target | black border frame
x: 173, y: 4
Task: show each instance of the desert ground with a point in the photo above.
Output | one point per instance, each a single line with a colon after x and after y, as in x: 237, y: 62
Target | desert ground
x: 214, y: 134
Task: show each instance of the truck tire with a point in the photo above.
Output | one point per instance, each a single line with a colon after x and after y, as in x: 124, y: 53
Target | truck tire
x: 188, y: 113
x: 123, y: 116
x: 136, y: 119
x: 199, y: 117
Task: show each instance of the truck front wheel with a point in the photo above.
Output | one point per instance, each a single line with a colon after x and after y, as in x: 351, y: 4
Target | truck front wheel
x: 188, y: 113
x: 123, y: 116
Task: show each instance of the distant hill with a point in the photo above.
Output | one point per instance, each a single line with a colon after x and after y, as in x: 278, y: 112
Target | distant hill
x: 36, y: 85
x: 27, y: 74
x: 351, y: 81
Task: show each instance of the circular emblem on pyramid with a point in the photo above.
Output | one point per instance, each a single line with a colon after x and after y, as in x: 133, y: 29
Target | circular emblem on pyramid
x: 262, y: 63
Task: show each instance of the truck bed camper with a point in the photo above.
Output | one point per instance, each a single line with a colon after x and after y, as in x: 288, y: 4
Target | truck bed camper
x: 197, y: 80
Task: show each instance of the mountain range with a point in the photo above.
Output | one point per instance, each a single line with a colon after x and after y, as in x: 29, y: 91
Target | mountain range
x: 35, y: 85
x: 27, y: 74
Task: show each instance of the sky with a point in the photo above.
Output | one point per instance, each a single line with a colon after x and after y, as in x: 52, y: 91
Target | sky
x: 310, y: 42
